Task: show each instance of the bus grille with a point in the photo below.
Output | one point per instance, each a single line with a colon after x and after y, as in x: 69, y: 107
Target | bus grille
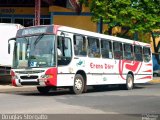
x: 29, y: 77
x: 29, y: 83
x: 30, y: 72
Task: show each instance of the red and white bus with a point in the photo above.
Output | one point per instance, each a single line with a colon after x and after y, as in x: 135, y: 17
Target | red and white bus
x: 54, y: 56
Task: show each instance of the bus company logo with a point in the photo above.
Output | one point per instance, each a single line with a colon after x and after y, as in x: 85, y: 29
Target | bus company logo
x: 28, y: 75
x: 81, y: 63
x: 133, y: 66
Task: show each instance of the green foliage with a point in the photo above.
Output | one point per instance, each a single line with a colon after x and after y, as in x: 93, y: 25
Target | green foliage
x: 137, y: 15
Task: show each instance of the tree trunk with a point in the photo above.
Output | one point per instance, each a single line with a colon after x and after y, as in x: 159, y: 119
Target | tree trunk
x: 110, y: 30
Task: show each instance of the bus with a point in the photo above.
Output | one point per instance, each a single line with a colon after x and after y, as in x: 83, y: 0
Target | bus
x: 53, y: 56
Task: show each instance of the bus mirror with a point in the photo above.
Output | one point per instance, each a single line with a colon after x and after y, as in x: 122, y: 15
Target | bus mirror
x: 9, y: 45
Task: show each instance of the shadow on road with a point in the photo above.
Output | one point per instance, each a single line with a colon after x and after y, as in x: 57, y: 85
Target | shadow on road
x: 91, y: 89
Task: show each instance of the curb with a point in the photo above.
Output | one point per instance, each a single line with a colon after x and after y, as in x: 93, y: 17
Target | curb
x: 154, y: 81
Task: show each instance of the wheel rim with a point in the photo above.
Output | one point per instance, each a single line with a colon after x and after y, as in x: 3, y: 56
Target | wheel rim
x: 78, y: 84
x: 130, y: 83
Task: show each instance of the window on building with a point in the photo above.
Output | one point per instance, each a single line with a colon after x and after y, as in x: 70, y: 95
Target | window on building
x: 19, y: 21
x: 45, y: 21
x: 28, y: 22
x: 6, y: 20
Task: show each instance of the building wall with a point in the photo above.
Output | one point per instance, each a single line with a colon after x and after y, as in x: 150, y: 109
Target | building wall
x: 68, y: 17
x: 81, y: 22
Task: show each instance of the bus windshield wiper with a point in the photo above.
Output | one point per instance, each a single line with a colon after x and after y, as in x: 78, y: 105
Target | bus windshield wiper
x: 38, y: 39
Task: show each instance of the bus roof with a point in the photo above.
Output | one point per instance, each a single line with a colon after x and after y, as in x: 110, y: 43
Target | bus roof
x: 98, y: 35
x: 54, y: 28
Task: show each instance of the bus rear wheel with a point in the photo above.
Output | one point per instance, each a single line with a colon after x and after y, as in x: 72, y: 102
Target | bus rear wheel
x: 129, y: 82
x: 79, y: 85
x: 44, y: 90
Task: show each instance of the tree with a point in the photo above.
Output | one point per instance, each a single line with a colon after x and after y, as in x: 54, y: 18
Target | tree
x: 132, y: 16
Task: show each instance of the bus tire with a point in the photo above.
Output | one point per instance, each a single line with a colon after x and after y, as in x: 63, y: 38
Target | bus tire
x: 79, y: 84
x: 129, y: 82
x: 44, y: 90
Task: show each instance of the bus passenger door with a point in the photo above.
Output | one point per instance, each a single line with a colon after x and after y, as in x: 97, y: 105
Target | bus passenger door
x: 64, y: 57
x: 108, y: 62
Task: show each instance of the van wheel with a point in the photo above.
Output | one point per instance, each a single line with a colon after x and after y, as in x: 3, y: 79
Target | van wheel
x: 155, y: 75
x: 78, y: 86
x: 44, y: 90
x: 129, y: 82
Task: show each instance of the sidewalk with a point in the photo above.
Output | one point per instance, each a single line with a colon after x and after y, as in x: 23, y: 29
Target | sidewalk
x: 9, y: 88
x: 155, y: 80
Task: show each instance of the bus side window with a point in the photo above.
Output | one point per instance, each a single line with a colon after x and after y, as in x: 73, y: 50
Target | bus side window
x: 138, y: 53
x: 106, y: 48
x: 118, y: 51
x: 146, y: 54
x: 64, y: 45
x: 80, y: 45
x: 128, y: 51
x: 93, y: 47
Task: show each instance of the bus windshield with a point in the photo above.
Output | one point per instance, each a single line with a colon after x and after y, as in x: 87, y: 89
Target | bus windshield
x: 34, y: 51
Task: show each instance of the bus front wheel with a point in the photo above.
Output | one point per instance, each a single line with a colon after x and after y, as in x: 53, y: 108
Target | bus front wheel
x: 79, y: 85
x: 44, y: 90
x: 129, y: 82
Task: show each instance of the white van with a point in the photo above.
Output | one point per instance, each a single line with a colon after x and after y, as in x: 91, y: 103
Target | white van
x: 7, y: 31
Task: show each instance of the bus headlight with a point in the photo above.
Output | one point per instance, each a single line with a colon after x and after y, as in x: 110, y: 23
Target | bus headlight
x: 46, y: 76
x: 14, y: 77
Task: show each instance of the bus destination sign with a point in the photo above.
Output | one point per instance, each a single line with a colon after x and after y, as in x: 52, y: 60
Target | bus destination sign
x: 35, y: 30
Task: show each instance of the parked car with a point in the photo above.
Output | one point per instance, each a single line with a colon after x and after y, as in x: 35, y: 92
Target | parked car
x: 156, y: 73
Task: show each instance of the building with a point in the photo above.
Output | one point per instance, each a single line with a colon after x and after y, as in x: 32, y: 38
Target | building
x: 60, y: 12
x: 56, y: 12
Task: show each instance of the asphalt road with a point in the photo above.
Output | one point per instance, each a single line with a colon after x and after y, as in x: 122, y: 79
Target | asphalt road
x: 144, y: 99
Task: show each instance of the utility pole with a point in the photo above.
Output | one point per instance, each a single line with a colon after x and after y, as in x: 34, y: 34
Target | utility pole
x: 37, y: 12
